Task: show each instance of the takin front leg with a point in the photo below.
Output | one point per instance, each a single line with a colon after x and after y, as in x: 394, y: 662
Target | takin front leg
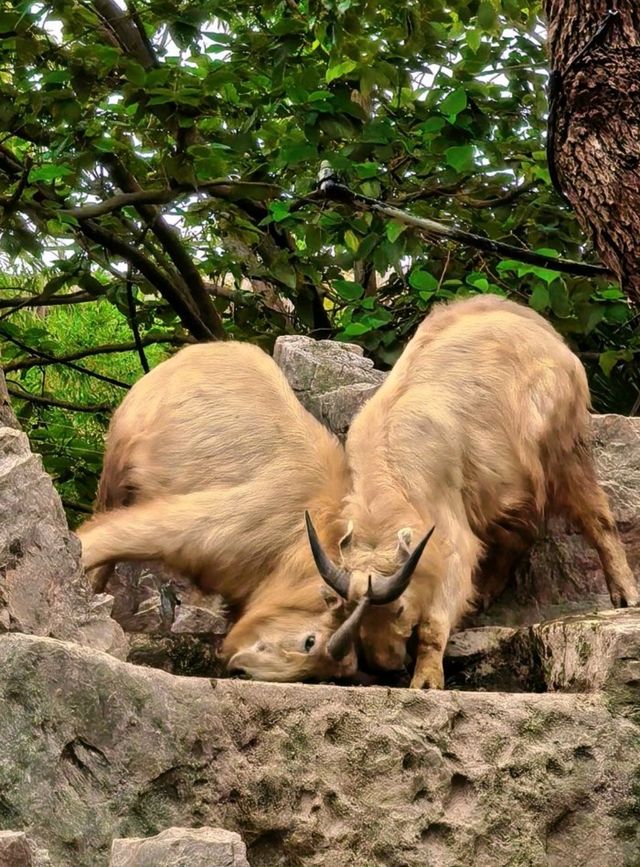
x: 433, y: 634
x: 588, y: 505
x: 155, y: 530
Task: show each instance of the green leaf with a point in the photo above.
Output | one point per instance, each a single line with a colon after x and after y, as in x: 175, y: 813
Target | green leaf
x: 135, y: 74
x: 279, y: 211
x: 394, y: 229
x: 559, y: 299
x: 487, y: 17
x: 297, y: 153
x: 356, y: 329
x: 348, y: 289
x: 473, y: 39
x: 460, y: 158
x: 50, y: 172
x: 284, y: 271
x: 539, y: 299
x: 340, y: 69
x: 351, y: 241
x: 454, y: 103
x: 611, y: 357
x: 433, y: 125
x: 423, y: 281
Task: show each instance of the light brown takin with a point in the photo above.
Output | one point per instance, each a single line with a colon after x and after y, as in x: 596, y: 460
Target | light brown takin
x: 481, y: 430
x: 210, y: 463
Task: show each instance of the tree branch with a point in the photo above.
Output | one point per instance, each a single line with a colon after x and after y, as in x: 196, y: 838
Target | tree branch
x: 107, y: 349
x: 75, y: 506
x: 171, y: 241
x: 223, y: 189
x: 47, y: 301
x: 174, y: 295
x: 333, y: 191
x: 53, y: 360
x: 42, y: 400
x: 129, y: 37
x: 133, y: 322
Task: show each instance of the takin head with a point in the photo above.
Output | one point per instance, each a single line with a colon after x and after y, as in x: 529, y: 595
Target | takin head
x: 288, y: 641
x: 365, y: 601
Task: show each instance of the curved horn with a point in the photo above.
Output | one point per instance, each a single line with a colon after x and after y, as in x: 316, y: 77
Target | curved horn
x: 338, y: 579
x: 342, y: 639
x: 387, y: 590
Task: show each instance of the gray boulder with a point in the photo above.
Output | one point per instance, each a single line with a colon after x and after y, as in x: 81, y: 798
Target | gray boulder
x: 181, y: 847
x: 42, y: 586
x: 331, y: 379
x: 17, y: 850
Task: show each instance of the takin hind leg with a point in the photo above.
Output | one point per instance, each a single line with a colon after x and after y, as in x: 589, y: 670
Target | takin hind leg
x: 580, y: 496
x: 153, y: 530
x: 129, y: 533
x: 506, y: 546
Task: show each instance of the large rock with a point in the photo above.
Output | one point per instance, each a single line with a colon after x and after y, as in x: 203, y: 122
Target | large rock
x: 331, y: 379
x: 182, y: 847
x: 17, y: 850
x: 169, y: 622
x: 94, y: 749
x: 42, y: 586
x: 597, y: 652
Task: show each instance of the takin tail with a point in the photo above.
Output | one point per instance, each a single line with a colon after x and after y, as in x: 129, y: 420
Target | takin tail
x: 116, y: 487
x: 115, y: 490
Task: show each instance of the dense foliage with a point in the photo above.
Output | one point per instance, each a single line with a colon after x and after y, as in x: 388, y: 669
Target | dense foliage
x: 225, y: 112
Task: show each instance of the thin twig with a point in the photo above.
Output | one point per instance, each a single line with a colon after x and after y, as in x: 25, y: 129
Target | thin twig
x: 77, y: 507
x: 133, y: 321
x: 23, y: 394
x: 46, y: 301
x: 107, y: 349
x: 53, y: 360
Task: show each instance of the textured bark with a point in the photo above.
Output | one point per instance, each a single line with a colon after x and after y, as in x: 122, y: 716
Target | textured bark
x: 594, y: 146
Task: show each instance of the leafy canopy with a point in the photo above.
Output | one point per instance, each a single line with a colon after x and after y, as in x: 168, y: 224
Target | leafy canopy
x: 226, y: 111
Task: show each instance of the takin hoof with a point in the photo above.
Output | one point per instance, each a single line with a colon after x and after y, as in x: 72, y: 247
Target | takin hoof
x: 625, y: 598
x: 428, y: 679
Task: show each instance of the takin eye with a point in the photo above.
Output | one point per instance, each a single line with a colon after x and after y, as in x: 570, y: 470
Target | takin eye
x: 309, y: 642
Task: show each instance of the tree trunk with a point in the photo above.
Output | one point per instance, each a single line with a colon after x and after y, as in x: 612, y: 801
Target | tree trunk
x: 594, y: 124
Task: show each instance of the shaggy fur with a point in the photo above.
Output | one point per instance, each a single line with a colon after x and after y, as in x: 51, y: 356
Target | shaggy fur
x: 210, y: 463
x: 482, y: 429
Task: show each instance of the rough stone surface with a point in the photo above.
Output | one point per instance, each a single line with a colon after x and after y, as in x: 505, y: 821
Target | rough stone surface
x: 332, y: 380
x: 597, y: 652
x: 584, y: 653
x: 182, y: 847
x: 95, y: 749
x: 17, y: 850
x: 42, y: 587
x: 170, y: 624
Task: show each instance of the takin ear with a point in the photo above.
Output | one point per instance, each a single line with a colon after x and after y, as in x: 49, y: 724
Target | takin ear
x: 331, y: 599
x: 404, y: 543
x: 344, y: 543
